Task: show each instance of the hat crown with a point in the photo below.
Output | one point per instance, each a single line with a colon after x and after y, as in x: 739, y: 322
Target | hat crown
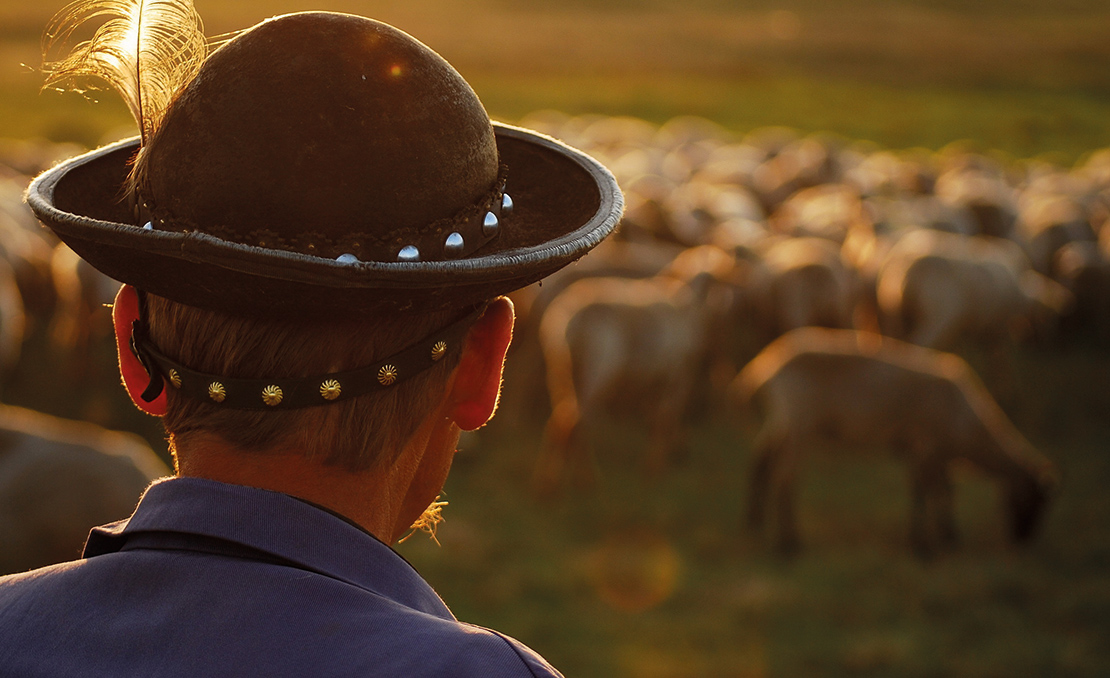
x: 314, y: 131
x: 279, y: 150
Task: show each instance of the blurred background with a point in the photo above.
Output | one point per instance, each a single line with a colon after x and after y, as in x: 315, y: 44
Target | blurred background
x: 740, y: 126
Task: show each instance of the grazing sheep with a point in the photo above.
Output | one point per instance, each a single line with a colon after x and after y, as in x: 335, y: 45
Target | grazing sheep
x: 799, y: 282
x: 82, y: 317
x: 1084, y: 269
x: 617, y: 133
x: 731, y: 164
x: 640, y: 344
x: 645, y: 213
x: 870, y: 240
x: 816, y: 385
x: 611, y: 259
x: 936, y: 289
x: 688, y: 142
x: 13, y: 322
x: 827, y: 211
x: 739, y: 235
x: 978, y: 185
x: 1096, y: 168
x: 697, y: 207
x: 892, y: 174
x: 60, y: 478
x: 1047, y: 223
x: 799, y: 164
x: 27, y: 247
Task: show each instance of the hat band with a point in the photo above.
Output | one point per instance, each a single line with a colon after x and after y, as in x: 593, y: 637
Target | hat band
x: 454, y: 237
x: 295, y: 392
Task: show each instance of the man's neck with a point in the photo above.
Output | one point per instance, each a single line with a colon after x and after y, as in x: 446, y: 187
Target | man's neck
x: 384, y: 501
x: 364, y: 497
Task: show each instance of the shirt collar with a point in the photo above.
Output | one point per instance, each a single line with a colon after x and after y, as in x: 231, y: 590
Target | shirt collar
x: 275, y: 524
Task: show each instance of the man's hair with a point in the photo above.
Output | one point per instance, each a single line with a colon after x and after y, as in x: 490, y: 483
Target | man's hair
x: 356, y: 434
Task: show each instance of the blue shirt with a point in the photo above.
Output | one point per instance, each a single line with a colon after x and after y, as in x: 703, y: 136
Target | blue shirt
x: 210, y: 579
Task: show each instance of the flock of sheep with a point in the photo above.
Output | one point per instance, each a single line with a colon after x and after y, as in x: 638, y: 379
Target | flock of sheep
x: 829, y: 278
x: 58, y: 478
x: 810, y: 280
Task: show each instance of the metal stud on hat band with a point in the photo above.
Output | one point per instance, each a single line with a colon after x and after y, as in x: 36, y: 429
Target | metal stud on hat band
x: 454, y: 245
x: 469, y: 235
x: 490, y: 225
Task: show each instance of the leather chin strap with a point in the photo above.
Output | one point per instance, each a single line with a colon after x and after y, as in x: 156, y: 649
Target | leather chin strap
x: 139, y: 343
x: 293, y: 392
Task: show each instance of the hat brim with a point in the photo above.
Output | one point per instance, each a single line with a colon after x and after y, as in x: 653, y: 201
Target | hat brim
x: 565, y: 203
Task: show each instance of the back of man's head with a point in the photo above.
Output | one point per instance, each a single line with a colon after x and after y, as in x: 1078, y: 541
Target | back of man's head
x: 323, y: 195
x: 355, y: 434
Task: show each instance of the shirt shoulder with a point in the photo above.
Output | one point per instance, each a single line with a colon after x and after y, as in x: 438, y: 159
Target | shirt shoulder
x: 492, y: 654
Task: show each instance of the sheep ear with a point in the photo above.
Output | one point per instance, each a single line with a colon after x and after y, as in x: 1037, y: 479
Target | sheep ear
x: 125, y: 311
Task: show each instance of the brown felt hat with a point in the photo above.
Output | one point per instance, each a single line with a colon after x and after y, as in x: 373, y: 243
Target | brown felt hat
x: 329, y: 165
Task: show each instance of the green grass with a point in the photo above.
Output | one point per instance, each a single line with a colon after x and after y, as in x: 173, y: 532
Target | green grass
x: 1028, y: 78
x: 855, y: 603
x: 1021, y: 123
x: 69, y: 117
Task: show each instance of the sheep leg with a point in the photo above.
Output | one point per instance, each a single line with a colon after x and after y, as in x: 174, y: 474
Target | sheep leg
x: 930, y: 506
x: 560, y: 444
x: 944, y: 514
x: 889, y: 299
x: 919, y: 534
x: 667, y: 429
x: 764, y: 450
x: 784, y: 476
x: 663, y: 439
x: 789, y: 543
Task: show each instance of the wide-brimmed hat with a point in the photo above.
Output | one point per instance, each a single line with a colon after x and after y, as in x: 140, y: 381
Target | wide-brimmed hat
x: 329, y: 165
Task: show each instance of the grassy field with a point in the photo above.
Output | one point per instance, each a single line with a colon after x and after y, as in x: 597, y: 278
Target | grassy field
x: 644, y: 578
x: 1028, y: 78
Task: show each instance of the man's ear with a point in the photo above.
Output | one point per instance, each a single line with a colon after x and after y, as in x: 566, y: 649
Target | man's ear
x: 477, y: 384
x: 125, y: 310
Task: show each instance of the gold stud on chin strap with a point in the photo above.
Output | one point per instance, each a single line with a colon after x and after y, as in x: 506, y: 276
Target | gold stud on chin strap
x: 387, y: 375
x: 271, y: 395
x: 439, y: 350
x: 330, y: 389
